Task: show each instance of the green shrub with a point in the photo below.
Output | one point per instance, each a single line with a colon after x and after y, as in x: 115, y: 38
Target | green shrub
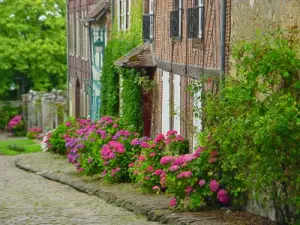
x: 254, y: 123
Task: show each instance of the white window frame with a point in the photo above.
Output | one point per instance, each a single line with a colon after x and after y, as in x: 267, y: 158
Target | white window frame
x: 165, y: 102
x: 151, y: 14
x: 123, y: 15
x: 177, y: 101
x: 200, y: 4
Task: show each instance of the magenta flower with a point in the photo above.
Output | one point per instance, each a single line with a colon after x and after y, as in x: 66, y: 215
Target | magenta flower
x: 223, y: 196
x: 150, y: 169
x: 173, y: 202
x: 130, y: 164
x: 142, y: 158
x: 188, y: 189
x: 174, y: 168
x: 202, y: 183
x: 166, y: 159
x: 185, y: 174
x: 159, y: 138
x: 214, y: 185
x: 158, y: 172
x: 144, y: 145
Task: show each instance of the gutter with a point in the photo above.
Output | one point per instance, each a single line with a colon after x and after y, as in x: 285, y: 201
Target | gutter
x: 222, y: 41
x: 68, y: 64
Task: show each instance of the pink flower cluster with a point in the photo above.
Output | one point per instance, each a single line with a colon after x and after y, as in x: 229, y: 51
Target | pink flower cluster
x: 15, y: 121
x: 35, y: 130
x: 185, y: 174
x: 166, y: 159
x: 223, y: 196
x: 114, y: 171
x: 109, y: 150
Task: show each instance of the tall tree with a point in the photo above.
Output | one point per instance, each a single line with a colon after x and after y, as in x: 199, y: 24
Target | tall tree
x: 33, y: 43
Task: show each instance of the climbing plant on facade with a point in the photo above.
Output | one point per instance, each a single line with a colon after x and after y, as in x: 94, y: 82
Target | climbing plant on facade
x: 124, y: 96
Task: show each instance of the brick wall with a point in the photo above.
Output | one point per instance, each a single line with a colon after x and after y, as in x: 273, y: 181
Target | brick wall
x: 201, y: 52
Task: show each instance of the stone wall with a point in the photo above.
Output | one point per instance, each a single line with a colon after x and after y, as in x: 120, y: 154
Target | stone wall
x: 44, y: 110
x: 248, y: 16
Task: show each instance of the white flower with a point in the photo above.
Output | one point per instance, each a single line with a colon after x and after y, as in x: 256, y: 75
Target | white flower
x: 42, y: 18
x: 12, y: 15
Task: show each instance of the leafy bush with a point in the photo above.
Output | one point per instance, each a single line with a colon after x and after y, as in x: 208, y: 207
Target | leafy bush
x: 56, y: 140
x: 33, y: 133
x: 254, y: 124
x: 147, y: 170
x: 7, y: 112
x: 16, y: 125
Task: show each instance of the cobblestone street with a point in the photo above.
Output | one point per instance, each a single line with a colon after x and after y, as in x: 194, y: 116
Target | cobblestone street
x: 26, y: 198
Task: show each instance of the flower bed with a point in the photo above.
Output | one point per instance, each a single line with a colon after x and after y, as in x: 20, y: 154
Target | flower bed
x: 162, y: 164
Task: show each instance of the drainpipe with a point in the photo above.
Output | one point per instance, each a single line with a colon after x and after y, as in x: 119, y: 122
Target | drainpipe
x: 68, y: 70
x: 222, y: 41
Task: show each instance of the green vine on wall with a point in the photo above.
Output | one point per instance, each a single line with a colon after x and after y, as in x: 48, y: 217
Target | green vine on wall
x: 119, y: 45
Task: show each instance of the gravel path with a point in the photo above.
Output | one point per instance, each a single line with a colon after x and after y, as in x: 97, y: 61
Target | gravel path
x: 26, y: 198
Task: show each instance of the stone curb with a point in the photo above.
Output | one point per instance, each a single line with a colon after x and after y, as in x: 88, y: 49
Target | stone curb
x: 164, y: 216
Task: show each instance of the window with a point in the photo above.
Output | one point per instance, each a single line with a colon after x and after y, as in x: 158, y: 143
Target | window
x: 176, y: 19
x: 148, y: 23
x: 123, y: 14
x: 196, y: 20
x: 77, y: 34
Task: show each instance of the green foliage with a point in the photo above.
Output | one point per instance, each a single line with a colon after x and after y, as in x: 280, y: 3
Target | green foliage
x: 28, y: 145
x: 57, y: 141
x: 7, y: 111
x: 119, y: 45
x: 32, y: 43
x: 254, y: 123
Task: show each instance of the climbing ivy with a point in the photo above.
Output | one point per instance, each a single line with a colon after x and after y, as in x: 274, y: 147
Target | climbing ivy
x: 119, y: 45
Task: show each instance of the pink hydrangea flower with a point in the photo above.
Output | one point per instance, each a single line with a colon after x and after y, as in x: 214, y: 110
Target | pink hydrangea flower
x: 223, y: 196
x: 214, y: 153
x: 166, y: 159
x: 155, y: 188
x: 142, y: 158
x: 174, y: 168
x: 214, y: 185
x: 144, y: 145
x: 185, y: 174
x: 159, y: 138
x: 152, y: 154
x: 202, y: 183
x: 171, y: 132
x: 158, y: 172
x: 173, y: 202
x: 147, y: 178
x: 188, y: 189
x: 130, y: 164
x: 150, y: 169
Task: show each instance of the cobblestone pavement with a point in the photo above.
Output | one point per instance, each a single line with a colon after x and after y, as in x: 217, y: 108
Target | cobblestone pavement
x: 26, y: 198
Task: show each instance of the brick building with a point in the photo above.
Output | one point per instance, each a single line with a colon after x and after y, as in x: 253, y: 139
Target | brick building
x: 86, y: 24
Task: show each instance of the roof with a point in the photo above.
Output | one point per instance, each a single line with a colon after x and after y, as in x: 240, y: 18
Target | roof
x: 97, y: 12
x: 141, y: 56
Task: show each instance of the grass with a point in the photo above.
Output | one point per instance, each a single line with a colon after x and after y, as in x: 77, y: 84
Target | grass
x: 27, y: 144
